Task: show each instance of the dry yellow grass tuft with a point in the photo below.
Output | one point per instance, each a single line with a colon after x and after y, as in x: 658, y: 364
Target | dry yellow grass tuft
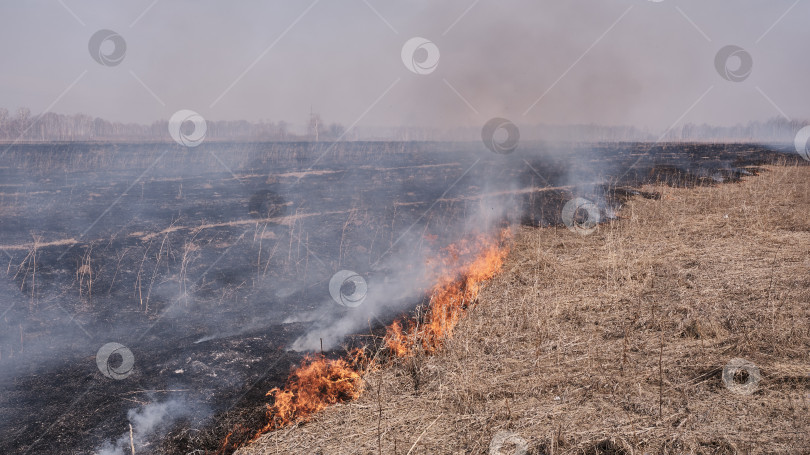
x: 614, y: 342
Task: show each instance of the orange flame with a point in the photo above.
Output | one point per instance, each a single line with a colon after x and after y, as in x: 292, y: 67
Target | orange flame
x: 233, y: 440
x: 320, y: 382
x: 225, y: 443
x: 316, y: 384
x: 457, y: 288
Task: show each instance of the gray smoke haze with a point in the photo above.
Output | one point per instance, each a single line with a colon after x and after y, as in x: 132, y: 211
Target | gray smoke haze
x: 407, y: 278
x: 636, y: 62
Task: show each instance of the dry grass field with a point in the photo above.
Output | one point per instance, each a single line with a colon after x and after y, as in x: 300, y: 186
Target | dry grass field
x: 613, y: 342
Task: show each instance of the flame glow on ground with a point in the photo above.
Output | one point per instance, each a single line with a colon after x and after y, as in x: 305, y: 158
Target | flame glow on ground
x: 319, y: 382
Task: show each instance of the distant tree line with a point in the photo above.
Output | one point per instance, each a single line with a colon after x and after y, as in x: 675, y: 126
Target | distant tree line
x: 23, y: 126
x: 773, y: 130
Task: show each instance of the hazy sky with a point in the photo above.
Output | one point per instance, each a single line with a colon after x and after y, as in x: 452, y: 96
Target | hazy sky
x: 635, y: 62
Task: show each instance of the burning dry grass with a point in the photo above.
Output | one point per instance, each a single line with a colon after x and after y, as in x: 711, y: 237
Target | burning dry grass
x: 614, y: 342
x: 459, y: 284
x: 319, y: 382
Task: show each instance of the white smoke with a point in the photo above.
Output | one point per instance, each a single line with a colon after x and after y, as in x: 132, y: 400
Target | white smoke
x: 404, y: 276
x: 146, y: 422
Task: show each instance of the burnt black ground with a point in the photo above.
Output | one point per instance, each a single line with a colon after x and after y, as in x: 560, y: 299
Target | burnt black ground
x: 191, y: 276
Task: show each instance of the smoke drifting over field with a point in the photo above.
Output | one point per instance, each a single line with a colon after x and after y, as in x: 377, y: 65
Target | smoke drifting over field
x: 396, y: 281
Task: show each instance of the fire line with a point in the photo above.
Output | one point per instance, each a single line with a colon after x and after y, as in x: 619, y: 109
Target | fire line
x: 319, y: 382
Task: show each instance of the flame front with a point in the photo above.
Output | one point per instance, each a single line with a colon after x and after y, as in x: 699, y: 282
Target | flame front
x: 456, y: 289
x: 316, y: 384
x: 319, y: 382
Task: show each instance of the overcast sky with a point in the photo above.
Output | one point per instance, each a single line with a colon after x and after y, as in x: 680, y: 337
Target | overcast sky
x: 633, y: 62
